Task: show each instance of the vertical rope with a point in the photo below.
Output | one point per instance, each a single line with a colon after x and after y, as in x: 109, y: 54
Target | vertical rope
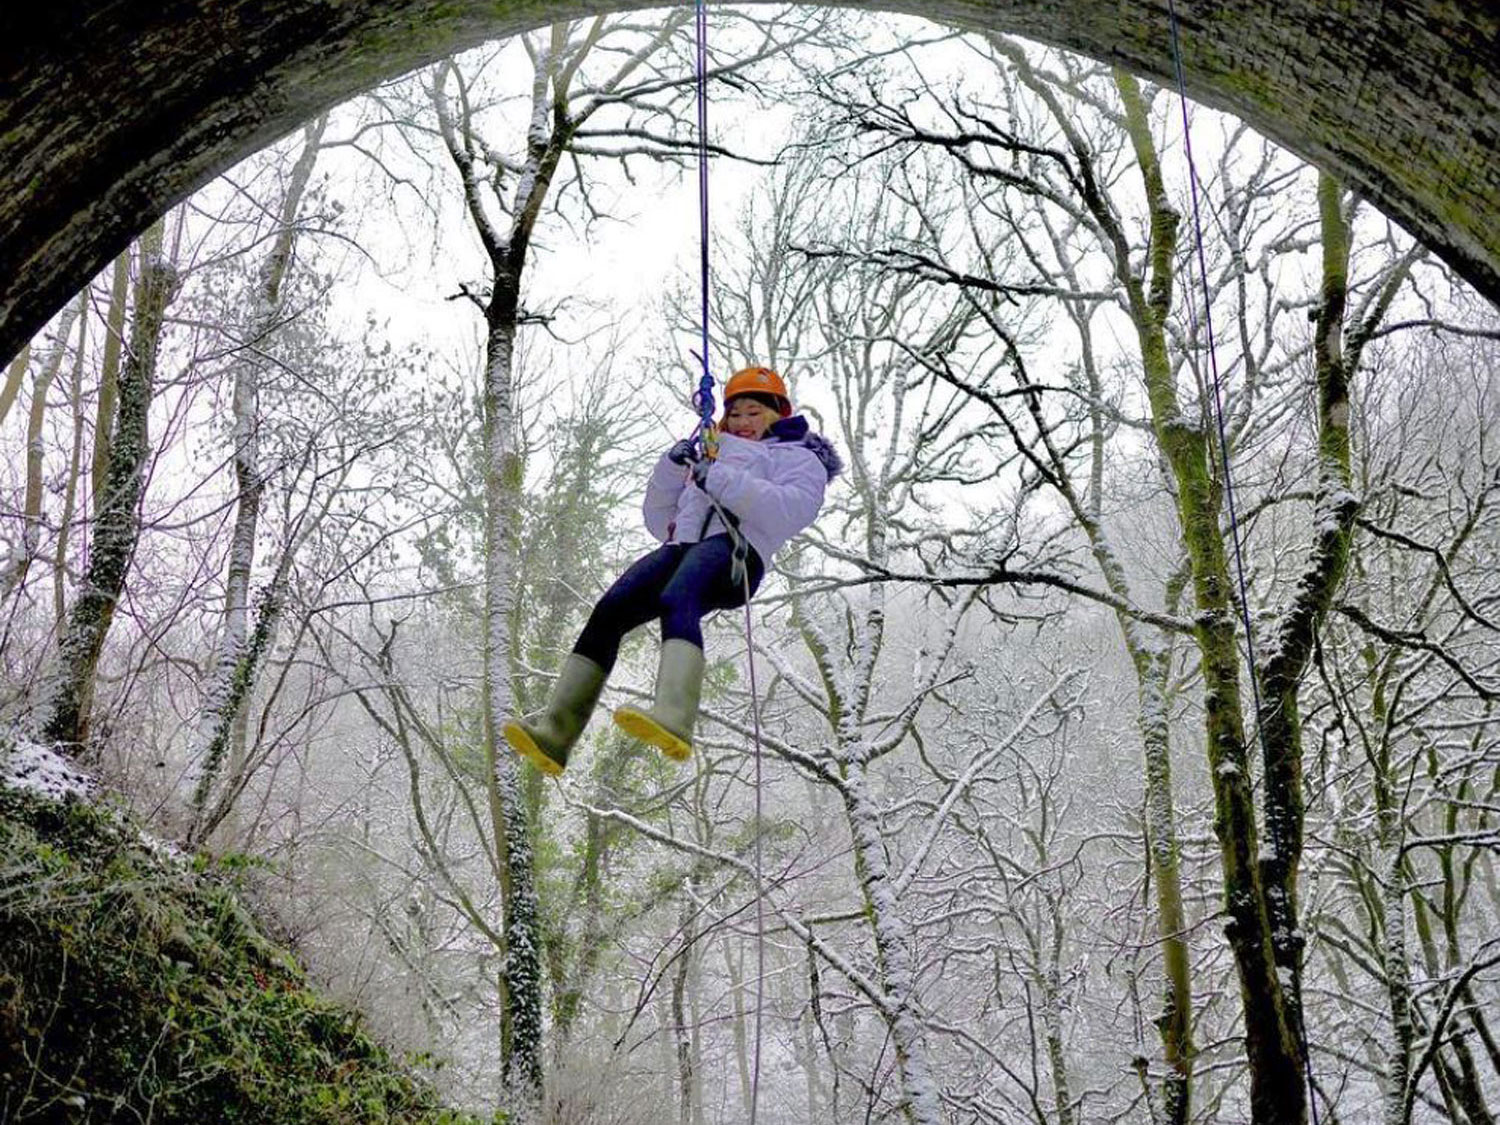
x: 1216, y: 386
x: 704, y: 399
x: 709, y: 435
x: 1215, y: 382
x: 760, y: 920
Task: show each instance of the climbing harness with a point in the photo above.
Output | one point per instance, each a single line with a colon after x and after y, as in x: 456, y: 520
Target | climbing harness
x: 1216, y: 385
x: 739, y: 557
x: 707, y: 434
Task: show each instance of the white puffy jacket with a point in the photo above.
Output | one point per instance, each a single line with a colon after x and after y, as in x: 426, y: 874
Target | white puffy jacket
x: 773, y: 486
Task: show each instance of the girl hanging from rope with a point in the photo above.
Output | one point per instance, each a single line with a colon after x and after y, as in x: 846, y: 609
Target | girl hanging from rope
x: 720, y: 519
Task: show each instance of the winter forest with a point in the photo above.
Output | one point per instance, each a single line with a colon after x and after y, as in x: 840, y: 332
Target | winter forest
x: 1057, y: 775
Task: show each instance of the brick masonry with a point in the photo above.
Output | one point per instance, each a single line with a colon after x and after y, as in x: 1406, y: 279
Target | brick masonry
x: 112, y: 110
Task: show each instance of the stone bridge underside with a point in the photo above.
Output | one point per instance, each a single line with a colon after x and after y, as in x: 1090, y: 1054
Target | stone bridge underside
x: 113, y: 110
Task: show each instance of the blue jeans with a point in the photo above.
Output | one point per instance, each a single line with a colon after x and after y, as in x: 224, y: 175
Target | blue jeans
x: 677, y: 582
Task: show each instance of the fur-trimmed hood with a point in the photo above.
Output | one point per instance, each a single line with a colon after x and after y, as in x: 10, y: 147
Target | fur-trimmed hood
x: 795, y: 429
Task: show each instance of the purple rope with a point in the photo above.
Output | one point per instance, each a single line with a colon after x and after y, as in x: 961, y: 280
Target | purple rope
x: 704, y: 399
x: 760, y: 895
x: 705, y: 402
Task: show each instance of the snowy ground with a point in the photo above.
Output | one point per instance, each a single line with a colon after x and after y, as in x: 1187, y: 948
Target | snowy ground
x: 39, y: 769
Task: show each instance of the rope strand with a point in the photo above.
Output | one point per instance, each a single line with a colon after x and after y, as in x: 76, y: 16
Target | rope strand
x: 704, y: 399
x: 1216, y: 385
x: 760, y: 920
x: 708, y: 435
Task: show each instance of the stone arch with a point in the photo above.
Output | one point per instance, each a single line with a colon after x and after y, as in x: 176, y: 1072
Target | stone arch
x: 112, y: 111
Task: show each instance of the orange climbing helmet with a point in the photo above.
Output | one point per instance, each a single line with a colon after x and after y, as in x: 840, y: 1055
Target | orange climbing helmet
x: 758, y: 381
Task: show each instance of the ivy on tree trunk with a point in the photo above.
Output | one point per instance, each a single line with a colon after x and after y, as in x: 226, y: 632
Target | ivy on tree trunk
x: 66, y: 710
x: 1271, y: 1042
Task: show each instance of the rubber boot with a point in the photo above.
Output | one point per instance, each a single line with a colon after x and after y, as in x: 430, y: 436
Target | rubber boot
x: 668, y: 724
x: 547, y: 738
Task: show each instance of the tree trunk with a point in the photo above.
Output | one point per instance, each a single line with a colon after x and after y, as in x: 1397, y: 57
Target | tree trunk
x: 549, y: 136
x: 1391, y: 870
x: 571, y: 975
x: 70, y: 487
x: 520, y: 983
x: 521, y: 974
x: 1151, y: 658
x: 36, y: 417
x: 1280, y: 721
x: 66, y: 713
x: 1150, y: 655
x: 15, y: 375
x: 682, y: 1032
x: 109, y: 378
x: 815, y: 1014
x: 736, y: 977
x: 1271, y: 1043
x: 848, y: 691
x: 222, y: 720
x: 810, y: 1066
x: 893, y: 943
x: 207, y: 817
x: 1052, y: 1029
x: 1175, y: 1024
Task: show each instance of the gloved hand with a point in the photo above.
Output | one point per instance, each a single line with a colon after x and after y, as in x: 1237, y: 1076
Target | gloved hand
x: 682, y: 452
x: 700, y: 473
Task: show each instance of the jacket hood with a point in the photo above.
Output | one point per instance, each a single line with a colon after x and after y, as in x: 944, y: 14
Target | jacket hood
x: 796, y: 431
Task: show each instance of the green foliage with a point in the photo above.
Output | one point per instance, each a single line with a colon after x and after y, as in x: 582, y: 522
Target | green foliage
x: 136, y: 987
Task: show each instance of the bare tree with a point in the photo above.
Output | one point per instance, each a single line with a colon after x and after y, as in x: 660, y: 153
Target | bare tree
x: 1066, y: 183
x: 64, y: 716
x: 19, y: 565
x: 605, y: 88
x: 241, y: 650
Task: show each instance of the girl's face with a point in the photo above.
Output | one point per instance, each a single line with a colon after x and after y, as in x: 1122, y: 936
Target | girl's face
x: 749, y: 418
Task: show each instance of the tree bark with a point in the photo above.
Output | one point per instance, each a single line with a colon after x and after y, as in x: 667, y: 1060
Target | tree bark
x: 736, y: 977
x: 70, y: 488
x: 15, y: 375
x: 682, y: 1032
x: 208, y: 816
x: 109, y: 378
x: 1301, y: 622
x: 1276, y: 1075
x: 36, y: 416
x: 117, y: 530
x: 550, y: 132
x: 848, y: 699
x: 1052, y: 1025
x: 893, y: 943
x: 221, y: 722
x: 520, y: 983
x: 571, y: 974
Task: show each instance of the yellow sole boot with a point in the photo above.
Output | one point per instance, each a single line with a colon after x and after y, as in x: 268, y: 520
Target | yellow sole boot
x: 522, y: 742
x: 668, y: 723
x: 546, y: 739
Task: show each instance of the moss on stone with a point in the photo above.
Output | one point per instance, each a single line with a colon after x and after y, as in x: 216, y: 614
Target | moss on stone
x: 136, y: 986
